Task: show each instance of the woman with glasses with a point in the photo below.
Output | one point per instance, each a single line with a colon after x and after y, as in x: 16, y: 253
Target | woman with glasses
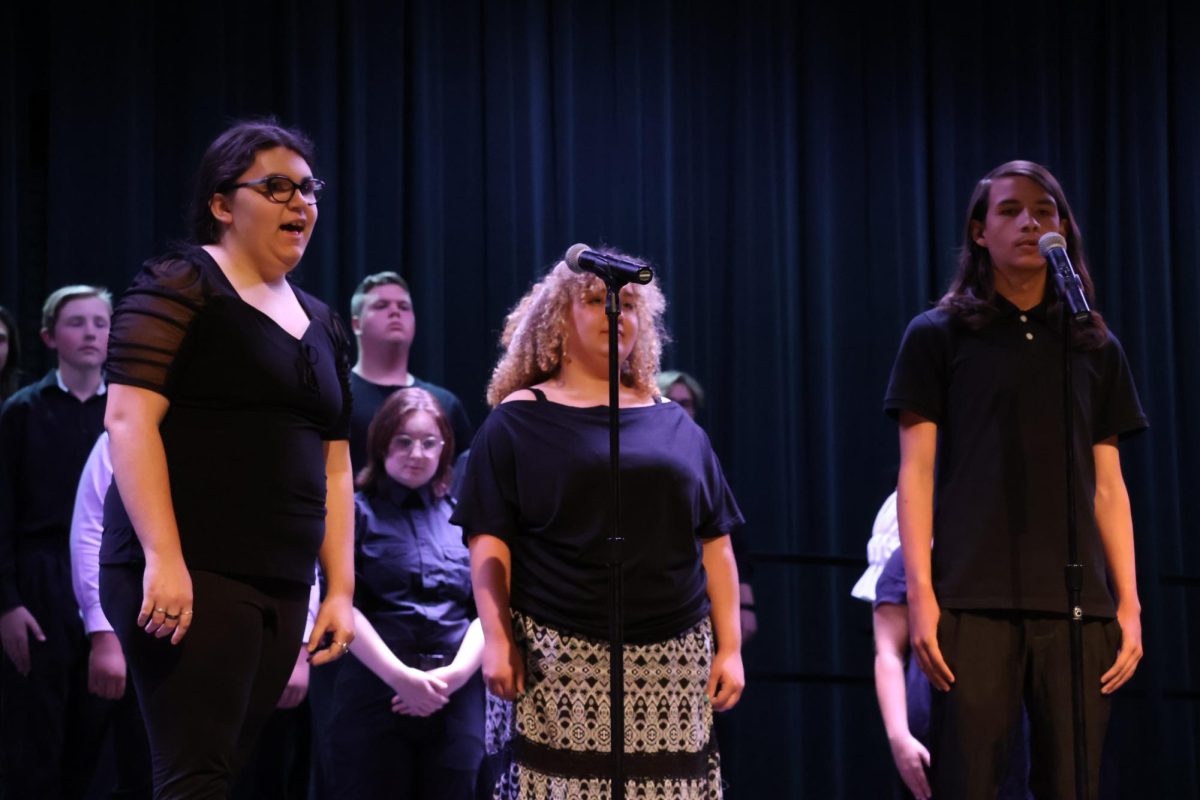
x: 534, y: 503
x: 228, y: 418
x: 408, y: 709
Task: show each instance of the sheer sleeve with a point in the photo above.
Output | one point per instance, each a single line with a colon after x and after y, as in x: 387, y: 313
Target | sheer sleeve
x: 151, y: 322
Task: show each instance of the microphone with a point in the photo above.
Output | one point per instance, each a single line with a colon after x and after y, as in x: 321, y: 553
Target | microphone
x: 1053, y: 248
x: 616, y: 272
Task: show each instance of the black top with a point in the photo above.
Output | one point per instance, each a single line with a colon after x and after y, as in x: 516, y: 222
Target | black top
x: 251, y: 406
x: 538, y: 479
x: 999, y: 527
x: 46, y: 435
x: 412, y: 574
x: 368, y: 397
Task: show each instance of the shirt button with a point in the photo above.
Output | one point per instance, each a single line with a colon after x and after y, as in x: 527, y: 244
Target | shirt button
x: 1029, y: 336
x: 1024, y: 318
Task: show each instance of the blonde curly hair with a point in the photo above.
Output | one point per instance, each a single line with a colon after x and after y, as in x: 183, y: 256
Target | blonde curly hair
x: 535, y: 331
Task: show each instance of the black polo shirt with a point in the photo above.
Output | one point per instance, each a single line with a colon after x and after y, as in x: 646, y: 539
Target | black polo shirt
x: 999, y: 517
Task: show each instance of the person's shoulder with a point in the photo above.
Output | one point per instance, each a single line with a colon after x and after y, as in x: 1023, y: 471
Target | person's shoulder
x: 933, y: 328
x: 180, y: 268
x: 183, y: 275
x: 520, y: 395
x: 26, y: 396
x: 1111, y: 343
x: 362, y: 501
x: 932, y: 319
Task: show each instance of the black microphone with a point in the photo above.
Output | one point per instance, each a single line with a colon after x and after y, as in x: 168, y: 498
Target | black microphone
x: 616, y: 272
x: 1053, y: 248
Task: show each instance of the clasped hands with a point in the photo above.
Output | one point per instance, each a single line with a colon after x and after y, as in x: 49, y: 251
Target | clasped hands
x: 420, y: 693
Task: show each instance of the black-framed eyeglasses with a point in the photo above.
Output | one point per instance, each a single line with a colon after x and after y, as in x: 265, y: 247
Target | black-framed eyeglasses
x: 281, y: 188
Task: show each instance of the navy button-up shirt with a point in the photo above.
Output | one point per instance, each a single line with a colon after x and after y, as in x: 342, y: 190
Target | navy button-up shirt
x: 412, y: 573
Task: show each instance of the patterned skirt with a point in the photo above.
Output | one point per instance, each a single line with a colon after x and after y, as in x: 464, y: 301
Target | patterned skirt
x: 552, y: 743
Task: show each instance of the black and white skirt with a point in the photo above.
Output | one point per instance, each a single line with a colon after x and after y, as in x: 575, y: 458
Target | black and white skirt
x: 553, y: 742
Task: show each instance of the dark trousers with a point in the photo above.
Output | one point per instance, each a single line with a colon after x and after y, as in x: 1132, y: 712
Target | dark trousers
x: 379, y: 754
x: 321, y: 683
x: 278, y: 769
x: 205, y: 700
x: 52, y: 728
x: 131, y: 751
x: 998, y: 661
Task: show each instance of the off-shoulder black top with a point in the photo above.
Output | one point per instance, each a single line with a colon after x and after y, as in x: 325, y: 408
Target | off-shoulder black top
x: 538, y: 478
x: 250, y: 409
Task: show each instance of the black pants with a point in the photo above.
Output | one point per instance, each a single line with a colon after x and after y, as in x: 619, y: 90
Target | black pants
x: 998, y: 660
x: 321, y: 683
x: 205, y: 700
x: 52, y: 726
x: 278, y: 769
x: 378, y: 754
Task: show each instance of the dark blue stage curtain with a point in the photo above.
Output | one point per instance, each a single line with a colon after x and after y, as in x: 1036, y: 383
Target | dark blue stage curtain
x: 798, y: 173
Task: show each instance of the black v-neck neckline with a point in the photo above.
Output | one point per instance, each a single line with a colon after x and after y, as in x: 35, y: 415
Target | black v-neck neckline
x: 274, y: 322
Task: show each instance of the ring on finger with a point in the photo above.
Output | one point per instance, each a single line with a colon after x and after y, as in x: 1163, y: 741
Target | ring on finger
x: 160, y: 611
x: 174, y: 617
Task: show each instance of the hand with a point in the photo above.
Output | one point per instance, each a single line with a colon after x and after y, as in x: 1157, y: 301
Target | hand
x: 911, y: 759
x: 418, y: 693
x: 166, y: 598
x: 727, y: 679
x: 1130, y: 620
x: 15, y: 626
x: 297, y: 685
x: 336, y: 618
x: 450, y: 675
x: 923, y: 615
x: 503, y: 668
x: 106, y: 666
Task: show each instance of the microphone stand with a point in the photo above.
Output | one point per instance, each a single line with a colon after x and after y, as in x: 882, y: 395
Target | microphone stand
x: 1073, y: 572
x: 616, y: 608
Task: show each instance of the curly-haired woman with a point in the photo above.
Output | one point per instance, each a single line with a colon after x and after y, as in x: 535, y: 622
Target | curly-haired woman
x: 533, y: 506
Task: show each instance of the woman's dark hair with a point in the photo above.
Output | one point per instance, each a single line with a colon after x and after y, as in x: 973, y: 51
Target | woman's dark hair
x: 227, y: 158
x: 390, y: 418
x: 970, y: 300
x: 10, y: 376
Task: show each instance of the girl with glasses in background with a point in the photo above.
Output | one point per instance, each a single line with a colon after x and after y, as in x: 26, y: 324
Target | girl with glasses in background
x: 408, y: 708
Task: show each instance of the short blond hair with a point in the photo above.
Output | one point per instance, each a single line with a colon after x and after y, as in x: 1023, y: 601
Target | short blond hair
x: 535, y: 331
x: 60, y: 297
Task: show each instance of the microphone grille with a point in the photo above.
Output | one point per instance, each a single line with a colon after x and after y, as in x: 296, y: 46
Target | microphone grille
x: 573, y: 254
x: 1051, y: 241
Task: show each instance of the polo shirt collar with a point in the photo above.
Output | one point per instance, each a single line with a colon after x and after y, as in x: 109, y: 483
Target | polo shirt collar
x: 101, y: 390
x: 1040, y: 312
